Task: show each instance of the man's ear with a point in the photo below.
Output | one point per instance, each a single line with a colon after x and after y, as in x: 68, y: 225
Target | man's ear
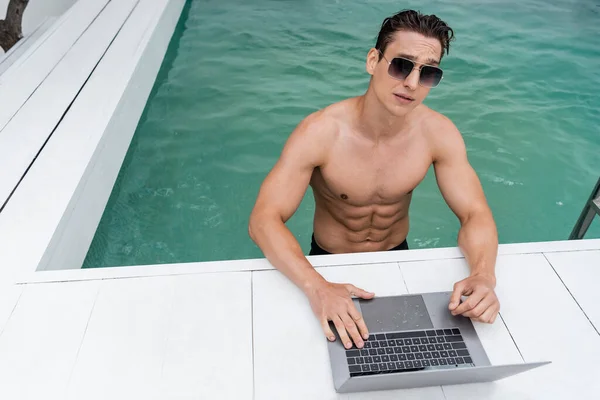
x: 372, y: 60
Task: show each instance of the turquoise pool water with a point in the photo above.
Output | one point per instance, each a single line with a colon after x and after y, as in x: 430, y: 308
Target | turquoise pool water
x: 522, y: 82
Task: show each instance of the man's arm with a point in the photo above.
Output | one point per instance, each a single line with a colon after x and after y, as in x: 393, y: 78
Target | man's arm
x: 477, y: 237
x: 278, y: 199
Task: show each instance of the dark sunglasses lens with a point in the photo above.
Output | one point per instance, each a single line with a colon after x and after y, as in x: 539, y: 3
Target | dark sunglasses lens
x: 400, y: 68
x: 430, y: 76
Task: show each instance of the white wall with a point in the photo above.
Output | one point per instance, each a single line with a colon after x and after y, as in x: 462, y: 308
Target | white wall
x: 37, y: 11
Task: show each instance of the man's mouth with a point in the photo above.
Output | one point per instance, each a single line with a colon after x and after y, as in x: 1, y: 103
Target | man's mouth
x: 403, y: 96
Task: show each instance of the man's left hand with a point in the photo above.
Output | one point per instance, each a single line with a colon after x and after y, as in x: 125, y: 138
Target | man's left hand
x: 482, y: 304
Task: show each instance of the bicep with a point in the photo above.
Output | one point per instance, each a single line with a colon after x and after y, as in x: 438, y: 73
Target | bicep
x: 457, y: 180
x: 285, y: 186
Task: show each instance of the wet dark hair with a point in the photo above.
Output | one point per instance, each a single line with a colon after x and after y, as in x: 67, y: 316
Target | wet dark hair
x: 413, y: 21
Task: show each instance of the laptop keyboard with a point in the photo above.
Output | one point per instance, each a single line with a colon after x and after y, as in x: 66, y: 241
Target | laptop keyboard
x: 409, y: 351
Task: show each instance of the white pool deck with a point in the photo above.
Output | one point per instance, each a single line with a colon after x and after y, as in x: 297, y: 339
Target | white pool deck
x: 69, y: 105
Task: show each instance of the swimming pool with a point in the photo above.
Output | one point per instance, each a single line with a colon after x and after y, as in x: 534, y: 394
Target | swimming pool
x: 521, y: 84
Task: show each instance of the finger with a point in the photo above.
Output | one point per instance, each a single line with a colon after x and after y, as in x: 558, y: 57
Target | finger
x: 352, y: 330
x: 469, y: 304
x: 495, y: 315
x: 489, y: 315
x: 339, y: 325
x: 327, y: 329
x: 481, y: 308
x: 360, y: 322
x: 456, y: 293
x: 355, y: 291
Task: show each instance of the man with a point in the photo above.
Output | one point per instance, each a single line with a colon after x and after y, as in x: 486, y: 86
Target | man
x: 363, y: 157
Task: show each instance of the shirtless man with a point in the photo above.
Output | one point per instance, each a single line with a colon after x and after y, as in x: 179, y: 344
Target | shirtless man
x: 363, y: 157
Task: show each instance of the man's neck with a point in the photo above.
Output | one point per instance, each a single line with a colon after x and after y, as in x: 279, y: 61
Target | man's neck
x: 376, y: 121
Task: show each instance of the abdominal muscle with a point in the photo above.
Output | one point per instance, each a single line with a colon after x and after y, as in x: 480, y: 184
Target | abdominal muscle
x: 340, y: 227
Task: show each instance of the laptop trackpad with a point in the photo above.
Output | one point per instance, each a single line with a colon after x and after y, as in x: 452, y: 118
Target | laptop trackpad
x: 399, y: 313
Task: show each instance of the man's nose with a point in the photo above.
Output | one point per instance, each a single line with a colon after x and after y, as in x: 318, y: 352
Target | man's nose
x: 412, y: 80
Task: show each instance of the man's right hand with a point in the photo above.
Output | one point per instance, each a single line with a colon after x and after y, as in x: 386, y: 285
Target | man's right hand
x: 333, y: 302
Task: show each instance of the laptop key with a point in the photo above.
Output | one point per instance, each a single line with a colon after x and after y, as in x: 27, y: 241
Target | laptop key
x: 431, y: 347
x: 456, y: 331
x: 391, y: 366
x: 383, y: 367
x: 368, y: 360
x: 468, y: 360
x: 380, y: 351
x: 397, y: 350
x: 399, y: 365
x: 459, y: 360
x: 391, y: 342
x: 439, y: 347
x: 418, y: 364
x: 444, y: 354
x: 414, y: 349
x: 435, y: 354
x: 410, y: 356
x: 371, y: 337
x: 451, y: 361
x: 440, y: 332
x: 440, y: 339
x: 432, y: 340
x: 383, y: 343
x: 443, y: 361
x: 364, y: 352
x: 373, y: 352
x: 422, y: 348
x: 447, y: 331
x: 406, y: 349
x: 351, y: 361
x: 380, y: 336
x: 360, y: 360
x: 408, y: 364
x: 367, y: 345
x: 417, y: 341
x: 375, y: 345
x: 452, y: 353
x: 435, y: 362
x: 385, y: 358
x: 456, y: 338
x: 458, y: 345
x: 399, y: 342
x: 366, y: 368
x: 460, y: 352
x: 408, y: 342
x: 352, y: 353
x: 394, y: 357
x: 419, y: 356
x: 389, y: 350
x: 374, y: 367
x: 402, y: 357
x: 430, y: 333
x: 427, y: 355
x: 426, y: 363
x: 376, y: 359
x: 355, y: 368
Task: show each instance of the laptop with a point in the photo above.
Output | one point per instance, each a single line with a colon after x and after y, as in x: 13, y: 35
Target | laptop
x: 414, y: 341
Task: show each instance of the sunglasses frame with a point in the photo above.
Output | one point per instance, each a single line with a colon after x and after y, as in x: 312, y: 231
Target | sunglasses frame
x: 413, y: 68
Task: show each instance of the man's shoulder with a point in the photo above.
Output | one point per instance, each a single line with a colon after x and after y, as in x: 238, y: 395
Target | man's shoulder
x: 441, y: 132
x: 326, y: 122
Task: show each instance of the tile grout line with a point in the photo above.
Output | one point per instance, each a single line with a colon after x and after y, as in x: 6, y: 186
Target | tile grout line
x: 511, y: 337
x: 13, y: 310
x: 571, y: 294
x: 87, y: 324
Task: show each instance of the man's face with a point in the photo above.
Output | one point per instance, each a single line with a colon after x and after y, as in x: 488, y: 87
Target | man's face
x: 401, y: 96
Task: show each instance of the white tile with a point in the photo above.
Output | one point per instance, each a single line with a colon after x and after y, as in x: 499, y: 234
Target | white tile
x: 546, y: 324
x: 210, y: 339
x: 440, y: 276
x: 154, y: 338
x: 291, y: 358
x: 123, y: 350
x: 580, y: 272
x: 39, y: 344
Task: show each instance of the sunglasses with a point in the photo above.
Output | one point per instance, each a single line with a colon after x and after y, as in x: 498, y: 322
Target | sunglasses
x: 400, y: 68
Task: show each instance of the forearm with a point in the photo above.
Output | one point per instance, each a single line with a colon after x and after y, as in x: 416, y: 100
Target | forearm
x: 478, y: 241
x: 283, y: 251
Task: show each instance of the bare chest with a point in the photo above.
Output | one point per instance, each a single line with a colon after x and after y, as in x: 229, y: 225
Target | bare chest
x: 363, y: 176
